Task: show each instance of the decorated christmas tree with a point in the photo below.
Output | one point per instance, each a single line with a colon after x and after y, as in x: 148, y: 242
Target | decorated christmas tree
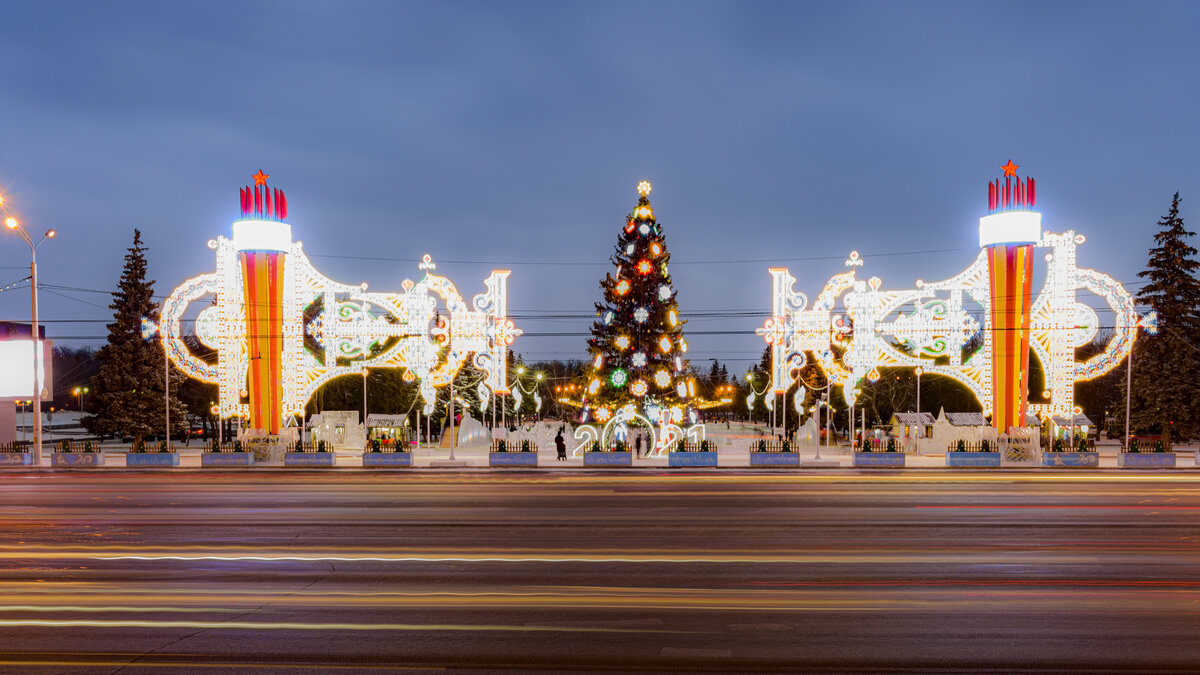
x: 637, y: 348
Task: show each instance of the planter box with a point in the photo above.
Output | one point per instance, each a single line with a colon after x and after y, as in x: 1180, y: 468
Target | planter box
x: 16, y: 459
x: 608, y: 459
x: 991, y: 458
x: 1146, y: 459
x: 1071, y: 459
x: 152, y: 459
x: 308, y: 459
x: 707, y: 458
x: 880, y: 459
x: 387, y: 459
x: 775, y: 459
x: 227, y: 459
x: 512, y: 459
x: 72, y: 460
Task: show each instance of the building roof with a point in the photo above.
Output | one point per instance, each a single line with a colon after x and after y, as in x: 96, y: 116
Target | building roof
x: 912, y: 418
x: 379, y: 420
x: 965, y: 419
x: 1079, y: 420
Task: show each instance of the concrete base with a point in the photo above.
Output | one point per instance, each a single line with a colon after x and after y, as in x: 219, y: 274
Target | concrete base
x: 819, y: 464
x: 608, y: 459
x: 76, y: 460
x: 775, y: 459
x: 152, y: 459
x: 449, y: 464
x: 226, y: 459
x: 692, y: 458
x: 1146, y: 459
x: 891, y: 460
x: 380, y: 459
x: 512, y: 459
x: 1067, y: 459
x: 308, y: 458
x: 973, y: 459
x: 16, y: 459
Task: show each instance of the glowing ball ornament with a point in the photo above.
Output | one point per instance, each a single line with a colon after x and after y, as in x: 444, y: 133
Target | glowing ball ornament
x: 622, y: 342
x: 638, y: 360
x: 602, y: 414
x: 662, y: 378
x: 641, y: 315
x: 609, y: 316
x: 664, y: 292
x: 593, y: 387
x: 618, y: 378
x: 639, y: 388
x: 645, y: 267
x: 665, y: 344
x: 623, y: 287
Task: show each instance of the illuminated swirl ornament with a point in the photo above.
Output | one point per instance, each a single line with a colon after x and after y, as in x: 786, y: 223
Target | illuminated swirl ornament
x: 281, y: 329
x: 618, y: 378
x: 638, y: 388
x: 956, y: 327
x: 663, y: 379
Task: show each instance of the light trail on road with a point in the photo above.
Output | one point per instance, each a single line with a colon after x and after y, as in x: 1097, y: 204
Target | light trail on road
x: 589, y: 570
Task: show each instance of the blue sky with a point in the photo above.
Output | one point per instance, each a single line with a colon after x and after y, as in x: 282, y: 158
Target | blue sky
x: 514, y: 133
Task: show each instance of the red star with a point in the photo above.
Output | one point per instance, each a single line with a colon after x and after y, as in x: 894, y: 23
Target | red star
x: 260, y: 178
x: 1010, y: 169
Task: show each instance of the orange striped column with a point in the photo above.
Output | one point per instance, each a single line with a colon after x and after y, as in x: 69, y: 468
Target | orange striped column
x: 262, y: 287
x: 1008, y: 234
x: 262, y: 239
x: 1010, y: 272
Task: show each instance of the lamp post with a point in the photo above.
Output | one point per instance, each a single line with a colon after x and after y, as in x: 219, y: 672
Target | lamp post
x: 79, y: 392
x: 920, y: 425
x: 12, y: 224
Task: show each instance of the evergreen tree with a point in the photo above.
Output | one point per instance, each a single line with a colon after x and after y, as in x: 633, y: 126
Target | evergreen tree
x: 637, y: 346
x: 1165, y: 368
x: 127, y: 394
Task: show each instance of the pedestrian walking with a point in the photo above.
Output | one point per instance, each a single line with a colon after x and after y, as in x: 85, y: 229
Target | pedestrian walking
x: 637, y: 443
x: 561, y: 446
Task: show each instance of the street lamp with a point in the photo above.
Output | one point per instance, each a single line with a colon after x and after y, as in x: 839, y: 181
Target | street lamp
x: 79, y: 392
x: 14, y: 225
x: 920, y: 425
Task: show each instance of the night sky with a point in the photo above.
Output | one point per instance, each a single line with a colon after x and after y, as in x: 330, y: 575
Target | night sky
x: 513, y: 134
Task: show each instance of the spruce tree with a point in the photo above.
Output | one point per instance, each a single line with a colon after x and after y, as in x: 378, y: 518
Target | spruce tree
x: 638, y: 349
x: 128, y: 391
x: 1165, y: 369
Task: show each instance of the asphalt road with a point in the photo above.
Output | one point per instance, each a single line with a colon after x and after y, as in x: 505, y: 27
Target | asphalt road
x: 316, y: 572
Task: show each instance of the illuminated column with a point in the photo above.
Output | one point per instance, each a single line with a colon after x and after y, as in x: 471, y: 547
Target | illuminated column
x: 1008, y: 234
x: 262, y: 240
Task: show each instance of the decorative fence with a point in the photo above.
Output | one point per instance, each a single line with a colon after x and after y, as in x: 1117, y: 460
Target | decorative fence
x: 233, y: 446
x: 1079, y: 445
x: 375, y: 445
x: 693, y: 446
x: 17, y: 446
x: 1139, y: 445
x: 505, y: 445
x: 888, y: 444
x: 771, y: 446
x: 973, y: 446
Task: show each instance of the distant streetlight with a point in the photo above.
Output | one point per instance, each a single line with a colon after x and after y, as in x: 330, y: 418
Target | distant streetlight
x: 13, y: 224
x: 79, y: 392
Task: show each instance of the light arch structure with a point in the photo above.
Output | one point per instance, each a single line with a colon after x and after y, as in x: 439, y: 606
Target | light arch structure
x: 317, y: 329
